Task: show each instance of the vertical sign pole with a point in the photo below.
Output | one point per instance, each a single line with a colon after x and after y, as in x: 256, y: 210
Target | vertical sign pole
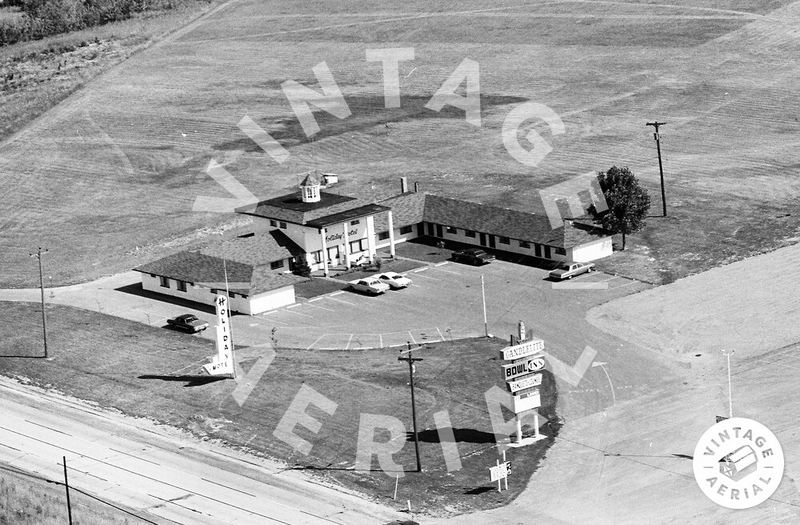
x: 536, y: 434
x: 483, y: 299
x: 66, y: 485
x: 396, y: 482
x: 38, y: 255
x: 498, y: 477
x: 504, y: 462
x: 519, y: 429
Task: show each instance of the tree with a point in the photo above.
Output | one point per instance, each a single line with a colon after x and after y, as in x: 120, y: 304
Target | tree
x: 627, y: 202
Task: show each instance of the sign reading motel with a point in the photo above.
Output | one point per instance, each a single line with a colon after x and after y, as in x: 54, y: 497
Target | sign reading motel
x: 524, y: 349
x: 529, y: 381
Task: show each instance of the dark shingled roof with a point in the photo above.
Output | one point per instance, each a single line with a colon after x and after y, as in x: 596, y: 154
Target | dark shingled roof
x: 344, y: 216
x: 200, y: 269
x: 261, y: 248
x: 505, y: 222
x: 407, y: 210
x: 291, y: 207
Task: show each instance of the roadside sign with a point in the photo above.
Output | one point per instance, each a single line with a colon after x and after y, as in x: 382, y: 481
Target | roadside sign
x: 521, y: 367
x: 534, y: 346
x: 529, y: 381
x: 529, y: 402
x: 498, y: 472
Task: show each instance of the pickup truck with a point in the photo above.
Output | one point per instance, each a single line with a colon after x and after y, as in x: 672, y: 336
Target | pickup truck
x: 569, y: 270
x: 188, y: 323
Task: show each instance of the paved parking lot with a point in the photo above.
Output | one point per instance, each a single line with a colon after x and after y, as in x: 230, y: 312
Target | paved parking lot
x: 443, y: 303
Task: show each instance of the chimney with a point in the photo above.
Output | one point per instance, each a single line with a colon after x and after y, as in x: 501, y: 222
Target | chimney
x: 416, y: 187
x: 403, y: 185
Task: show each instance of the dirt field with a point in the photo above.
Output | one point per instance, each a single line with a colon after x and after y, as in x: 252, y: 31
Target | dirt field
x: 111, y: 174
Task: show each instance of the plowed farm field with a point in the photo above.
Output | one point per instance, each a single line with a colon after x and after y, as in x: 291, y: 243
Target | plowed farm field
x: 107, y: 179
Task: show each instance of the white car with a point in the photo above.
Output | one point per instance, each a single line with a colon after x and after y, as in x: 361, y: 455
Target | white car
x: 369, y: 285
x: 394, y: 280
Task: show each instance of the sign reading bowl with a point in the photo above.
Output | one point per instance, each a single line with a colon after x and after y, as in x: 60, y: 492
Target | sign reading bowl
x: 738, y: 463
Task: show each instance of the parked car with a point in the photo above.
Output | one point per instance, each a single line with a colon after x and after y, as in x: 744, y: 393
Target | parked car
x: 371, y: 285
x: 188, y: 323
x: 474, y: 256
x: 569, y: 270
x: 394, y: 280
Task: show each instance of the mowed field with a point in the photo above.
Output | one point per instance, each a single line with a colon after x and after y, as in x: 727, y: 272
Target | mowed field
x: 107, y: 179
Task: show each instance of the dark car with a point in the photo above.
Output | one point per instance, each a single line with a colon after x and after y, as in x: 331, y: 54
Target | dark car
x: 473, y: 256
x: 188, y: 323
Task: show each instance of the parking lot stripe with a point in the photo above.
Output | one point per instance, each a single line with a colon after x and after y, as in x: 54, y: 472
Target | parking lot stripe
x: 412, y: 337
x: 340, y: 292
x: 440, y: 333
x: 342, y: 301
x: 315, y: 342
x: 446, y: 271
x: 427, y: 277
x: 314, y: 299
x: 423, y: 269
x: 441, y: 263
x: 321, y: 307
x: 347, y: 347
x: 380, y: 337
x: 295, y: 305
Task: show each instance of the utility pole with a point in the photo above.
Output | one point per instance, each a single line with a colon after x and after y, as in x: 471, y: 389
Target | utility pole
x: 38, y: 255
x: 728, y: 354
x: 66, y: 485
x: 657, y: 137
x: 410, y: 360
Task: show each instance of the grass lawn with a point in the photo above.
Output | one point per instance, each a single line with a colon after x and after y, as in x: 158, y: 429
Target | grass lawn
x: 27, y: 500
x: 124, y: 162
x: 142, y: 371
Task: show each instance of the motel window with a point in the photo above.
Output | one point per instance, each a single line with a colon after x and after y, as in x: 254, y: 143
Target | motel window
x: 273, y: 223
x: 524, y: 244
x: 469, y: 233
x: 283, y: 225
x: 276, y: 264
x: 503, y: 240
x: 382, y: 236
x: 561, y: 251
x: 182, y: 286
x: 317, y: 256
x: 406, y: 229
x: 450, y: 229
x: 164, y: 282
x: 357, y: 246
x: 353, y: 223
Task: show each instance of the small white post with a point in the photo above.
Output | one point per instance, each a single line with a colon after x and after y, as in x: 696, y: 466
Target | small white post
x: 396, y: 482
x: 499, y: 489
x: 519, y: 429
x: 504, y: 460
x: 483, y: 300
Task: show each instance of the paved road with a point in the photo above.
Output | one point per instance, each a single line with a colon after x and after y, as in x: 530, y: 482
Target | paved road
x: 151, y: 468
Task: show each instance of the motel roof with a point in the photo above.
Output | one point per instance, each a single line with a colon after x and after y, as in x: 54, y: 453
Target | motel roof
x: 209, y: 271
x: 291, y: 208
x: 256, y: 249
x: 412, y: 208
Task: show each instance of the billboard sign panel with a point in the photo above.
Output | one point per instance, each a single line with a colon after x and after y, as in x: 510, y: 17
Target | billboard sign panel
x: 529, y: 402
x: 521, y: 367
x: 529, y: 381
x: 524, y: 349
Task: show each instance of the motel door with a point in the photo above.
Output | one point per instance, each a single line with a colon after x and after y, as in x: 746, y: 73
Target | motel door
x: 430, y: 229
x: 333, y: 255
x: 483, y: 239
x: 491, y: 241
x: 546, y: 252
x: 439, y: 232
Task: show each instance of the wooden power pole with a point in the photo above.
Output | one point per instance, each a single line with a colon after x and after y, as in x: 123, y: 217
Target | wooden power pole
x: 410, y: 360
x: 38, y: 256
x: 657, y: 137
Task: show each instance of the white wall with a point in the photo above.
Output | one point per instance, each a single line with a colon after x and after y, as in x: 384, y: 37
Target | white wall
x: 398, y: 238
x: 512, y: 246
x: 592, y: 251
x: 270, y: 300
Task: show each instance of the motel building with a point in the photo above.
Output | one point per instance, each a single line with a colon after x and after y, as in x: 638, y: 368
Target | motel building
x: 334, y: 231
